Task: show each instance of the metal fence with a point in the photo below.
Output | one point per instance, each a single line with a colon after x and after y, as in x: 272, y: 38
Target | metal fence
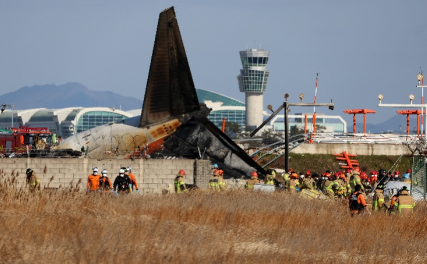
x: 419, y: 176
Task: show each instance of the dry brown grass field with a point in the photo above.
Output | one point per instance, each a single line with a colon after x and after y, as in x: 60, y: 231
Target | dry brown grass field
x: 237, y: 226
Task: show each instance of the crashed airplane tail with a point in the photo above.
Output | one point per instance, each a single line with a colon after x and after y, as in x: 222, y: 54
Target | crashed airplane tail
x: 170, y: 89
x: 171, y: 121
x: 171, y: 92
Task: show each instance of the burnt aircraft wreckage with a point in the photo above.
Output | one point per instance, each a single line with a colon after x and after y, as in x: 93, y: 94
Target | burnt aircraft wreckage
x: 172, y: 119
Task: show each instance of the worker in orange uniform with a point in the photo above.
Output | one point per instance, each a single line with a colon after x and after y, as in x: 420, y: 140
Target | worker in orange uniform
x: 179, y: 182
x: 357, y: 202
x: 293, y: 183
x: 132, y: 179
x: 33, y: 181
x: 250, y: 184
x: 104, y: 182
x: 93, y: 180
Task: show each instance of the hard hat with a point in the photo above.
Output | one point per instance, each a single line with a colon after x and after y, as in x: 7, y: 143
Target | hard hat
x: 29, y: 171
x: 404, y: 188
x: 294, y: 175
x: 327, y: 174
x: 128, y: 168
x: 308, y: 173
x: 357, y: 169
x: 396, y: 172
x: 104, y: 171
x: 363, y: 176
x: 95, y: 169
x: 181, y: 172
x: 342, y: 176
x: 215, y: 166
x: 409, y: 171
x: 301, y: 175
x: 124, y: 168
x: 216, y: 172
x: 381, y: 187
x: 221, y: 172
x: 121, y: 171
x: 336, y: 175
x: 406, y: 176
x: 348, y: 170
x: 254, y: 174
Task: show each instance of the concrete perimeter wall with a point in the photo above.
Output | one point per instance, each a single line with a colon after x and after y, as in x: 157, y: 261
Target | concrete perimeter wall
x: 354, y: 148
x: 152, y: 175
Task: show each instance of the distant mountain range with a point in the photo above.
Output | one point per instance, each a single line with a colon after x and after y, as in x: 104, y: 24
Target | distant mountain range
x: 67, y: 95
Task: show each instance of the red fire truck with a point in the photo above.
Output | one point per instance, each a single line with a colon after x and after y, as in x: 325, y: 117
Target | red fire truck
x: 23, y: 139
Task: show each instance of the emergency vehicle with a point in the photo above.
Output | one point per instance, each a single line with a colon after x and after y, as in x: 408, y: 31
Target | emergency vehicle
x: 23, y: 139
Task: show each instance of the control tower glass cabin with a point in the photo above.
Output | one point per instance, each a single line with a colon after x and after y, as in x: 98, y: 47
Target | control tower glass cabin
x: 253, y: 80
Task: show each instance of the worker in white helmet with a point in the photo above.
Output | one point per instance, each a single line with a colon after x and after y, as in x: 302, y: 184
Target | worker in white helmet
x: 93, y: 180
x: 122, y: 183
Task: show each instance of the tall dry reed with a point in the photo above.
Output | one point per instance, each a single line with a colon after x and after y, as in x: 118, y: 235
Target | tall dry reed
x: 68, y: 226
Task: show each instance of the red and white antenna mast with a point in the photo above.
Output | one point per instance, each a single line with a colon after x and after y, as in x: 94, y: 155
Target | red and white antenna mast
x: 315, y: 91
x: 313, y: 120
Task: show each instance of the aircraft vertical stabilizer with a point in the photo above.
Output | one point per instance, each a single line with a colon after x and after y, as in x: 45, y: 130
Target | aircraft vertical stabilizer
x: 170, y: 89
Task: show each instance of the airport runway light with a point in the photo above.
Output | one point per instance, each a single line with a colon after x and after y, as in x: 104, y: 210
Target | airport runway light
x: 301, y: 96
x: 380, y: 97
x: 411, y: 97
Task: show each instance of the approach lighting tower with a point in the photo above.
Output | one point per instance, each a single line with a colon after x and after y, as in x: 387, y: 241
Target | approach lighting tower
x: 253, y: 80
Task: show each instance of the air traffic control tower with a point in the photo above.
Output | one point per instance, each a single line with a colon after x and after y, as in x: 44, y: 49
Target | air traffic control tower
x: 253, y: 81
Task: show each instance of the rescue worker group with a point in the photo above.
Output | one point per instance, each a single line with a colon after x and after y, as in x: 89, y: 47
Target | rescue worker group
x: 353, y: 185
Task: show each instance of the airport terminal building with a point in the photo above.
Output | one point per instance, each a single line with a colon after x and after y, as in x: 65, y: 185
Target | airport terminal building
x: 69, y: 121
x: 64, y: 122
x: 223, y: 106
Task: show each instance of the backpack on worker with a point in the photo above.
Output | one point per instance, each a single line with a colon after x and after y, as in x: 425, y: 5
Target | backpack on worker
x: 123, y: 185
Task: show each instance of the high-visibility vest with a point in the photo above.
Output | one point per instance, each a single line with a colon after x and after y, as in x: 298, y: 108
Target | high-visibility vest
x: 270, y: 182
x: 178, y: 185
x: 404, y: 206
x: 328, y: 188
x: 213, y: 184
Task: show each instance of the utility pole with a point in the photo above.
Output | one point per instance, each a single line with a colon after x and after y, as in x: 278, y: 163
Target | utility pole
x: 286, y: 106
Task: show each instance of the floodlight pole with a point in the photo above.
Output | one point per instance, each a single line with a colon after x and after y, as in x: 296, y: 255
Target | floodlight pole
x: 422, y: 108
x: 286, y: 122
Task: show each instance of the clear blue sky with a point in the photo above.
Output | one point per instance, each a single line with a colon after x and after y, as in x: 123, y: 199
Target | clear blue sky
x: 361, y: 48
